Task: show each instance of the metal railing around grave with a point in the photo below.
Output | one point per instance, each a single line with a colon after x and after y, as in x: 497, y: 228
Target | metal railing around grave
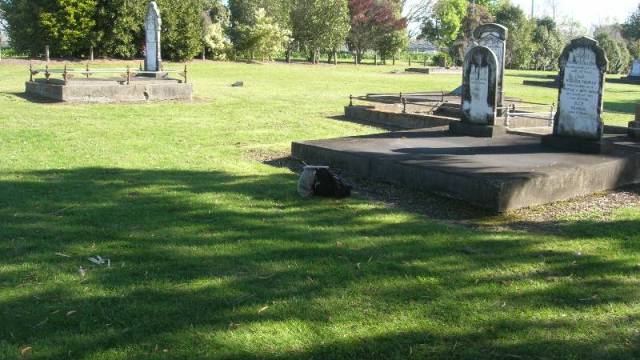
x: 127, y: 73
x: 530, y: 110
x: 432, y: 101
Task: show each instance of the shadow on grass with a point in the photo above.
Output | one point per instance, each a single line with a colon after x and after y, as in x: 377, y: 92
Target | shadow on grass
x: 32, y: 98
x: 212, y: 265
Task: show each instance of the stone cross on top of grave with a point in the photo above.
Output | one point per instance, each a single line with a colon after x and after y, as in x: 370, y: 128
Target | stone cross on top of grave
x: 583, y: 65
x: 152, y: 27
x: 494, y: 36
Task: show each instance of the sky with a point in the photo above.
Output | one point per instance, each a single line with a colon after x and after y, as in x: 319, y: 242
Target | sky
x: 588, y: 12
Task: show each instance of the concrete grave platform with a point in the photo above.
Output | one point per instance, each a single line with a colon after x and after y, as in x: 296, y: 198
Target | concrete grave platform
x: 110, y: 90
x: 498, y: 174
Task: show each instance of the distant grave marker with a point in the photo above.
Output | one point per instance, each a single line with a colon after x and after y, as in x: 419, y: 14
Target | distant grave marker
x: 152, y: 26
x: 635, y: 69
x: 494, y: 37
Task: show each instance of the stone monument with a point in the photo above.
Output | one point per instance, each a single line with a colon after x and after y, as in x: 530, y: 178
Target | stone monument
x: 635, y: 70
x: 152, y: 27
x: 494, y: 36
x: 578, y: 122
x: 479, y: 95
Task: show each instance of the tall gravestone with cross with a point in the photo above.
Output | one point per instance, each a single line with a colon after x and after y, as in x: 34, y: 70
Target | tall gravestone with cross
x: 152, y: 27
x: 494, y: 36
x: 479, y: 95
x: 578, y: 122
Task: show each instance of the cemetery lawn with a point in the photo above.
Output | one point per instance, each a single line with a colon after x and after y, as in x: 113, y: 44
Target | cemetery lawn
x: 213, y: 254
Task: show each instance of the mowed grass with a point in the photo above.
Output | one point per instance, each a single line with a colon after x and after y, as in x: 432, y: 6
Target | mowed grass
x: 213, y: 254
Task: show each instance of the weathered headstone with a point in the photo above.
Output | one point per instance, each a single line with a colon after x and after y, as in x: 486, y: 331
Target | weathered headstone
x: 494, y: 36
x: 479, y: 93
x: 152, y: 27
x: 582, y: 72
x: 635, y: 69
x: 578, y: 122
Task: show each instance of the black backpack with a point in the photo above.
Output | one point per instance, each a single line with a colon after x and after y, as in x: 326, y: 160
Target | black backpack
x: 328, y: 184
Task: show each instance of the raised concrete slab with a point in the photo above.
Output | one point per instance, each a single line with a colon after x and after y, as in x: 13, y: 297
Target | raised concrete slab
x: 139, y: 89
x: 499, y: 174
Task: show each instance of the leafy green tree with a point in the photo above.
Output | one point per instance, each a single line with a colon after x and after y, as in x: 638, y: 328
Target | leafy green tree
x: 68, y: 26
x: 320, y: 25
x: 548, y: 44
x: 216, y: 23
x: 265, y: 38
x: 122, y: 25
x: 392, y: 43
x: 616, y: 51
x: 631, y: 28
x: 520, y: 45
x: 445, y: 23
x: 243, y: 14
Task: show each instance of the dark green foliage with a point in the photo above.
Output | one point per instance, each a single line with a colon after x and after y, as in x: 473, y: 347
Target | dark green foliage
x: 520, y: 44
x: 113, y: 27
x: 616, y: 51
x: 67, y: 26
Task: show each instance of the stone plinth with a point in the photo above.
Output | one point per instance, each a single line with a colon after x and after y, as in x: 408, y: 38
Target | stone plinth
x: 140, y: 89
x: 498, y: 174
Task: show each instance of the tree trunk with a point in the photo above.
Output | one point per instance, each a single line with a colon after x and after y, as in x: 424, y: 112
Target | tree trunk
x: 204, y: 53
x: 91, y: 53
x: 288, y: 56
x: 335, y: 57
x: 375, y: 59
x: 394, y: 60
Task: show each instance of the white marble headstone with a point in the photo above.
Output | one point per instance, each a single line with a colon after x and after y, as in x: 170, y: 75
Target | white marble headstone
x: 152, y: 27
x: 582, y: 70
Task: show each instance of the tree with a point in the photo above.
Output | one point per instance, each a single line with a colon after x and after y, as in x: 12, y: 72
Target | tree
x: 520, y: 46
x: 444, y: 24
x: 243, y: 12
x: 615, y: 49
x: 631, y: 28
x: 320, y: 25
x: 216, y: 24
x: 68, y: 26
x: 371, y: 20
x: 548, y: 44
x: 265, y: 38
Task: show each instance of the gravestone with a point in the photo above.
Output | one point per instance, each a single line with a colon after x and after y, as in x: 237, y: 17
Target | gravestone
x: 635, y: 69
x: 494, y: 36
x: 152, y: 27
x: 578, y: 121
x: 479, y: 94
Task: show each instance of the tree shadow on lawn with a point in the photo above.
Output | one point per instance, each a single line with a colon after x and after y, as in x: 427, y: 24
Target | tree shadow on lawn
x: 197, y: 256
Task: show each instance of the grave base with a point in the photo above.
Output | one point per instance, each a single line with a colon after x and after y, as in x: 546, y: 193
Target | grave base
x: 475, y: 130
x: 113, y: 90
x: 575, y: 144
x: 499, y: 174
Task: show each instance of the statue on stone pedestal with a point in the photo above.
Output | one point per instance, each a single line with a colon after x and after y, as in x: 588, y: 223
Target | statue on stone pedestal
x: 152, y: 27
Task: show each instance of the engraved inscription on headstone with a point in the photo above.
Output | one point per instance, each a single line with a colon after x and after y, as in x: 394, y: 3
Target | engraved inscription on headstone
x: 582, y: 69
x: 479, y: 86
x: 494, y: 36
x: 152, y: 26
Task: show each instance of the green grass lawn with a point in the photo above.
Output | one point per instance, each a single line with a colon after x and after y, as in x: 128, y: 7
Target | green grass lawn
x: 214, y: 255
